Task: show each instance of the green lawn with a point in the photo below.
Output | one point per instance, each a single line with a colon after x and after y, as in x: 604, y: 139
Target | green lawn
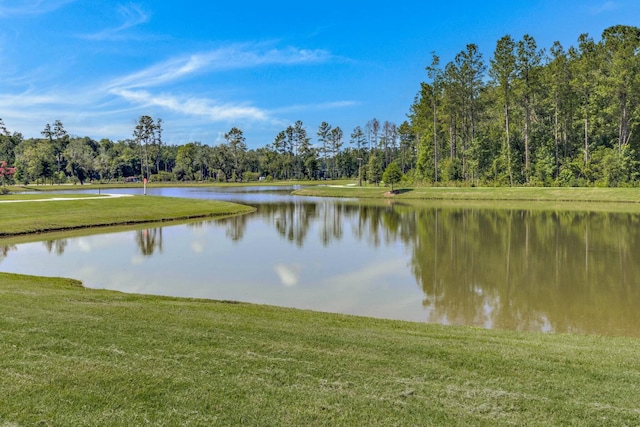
x: 522, y: 194
x: 40, y: 196
x: 33, y: 216
x: 74, y: 356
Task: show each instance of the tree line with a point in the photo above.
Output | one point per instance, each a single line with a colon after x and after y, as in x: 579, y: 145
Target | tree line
x: 527, y: 116
x: 533, y: 116
x: 58, y: 157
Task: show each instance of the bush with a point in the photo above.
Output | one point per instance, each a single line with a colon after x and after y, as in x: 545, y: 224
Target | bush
x: 163, y: 176
x: 250, y: 176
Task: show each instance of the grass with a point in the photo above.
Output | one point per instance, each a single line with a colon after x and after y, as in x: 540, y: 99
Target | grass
x: 34, y: 217
x: 41, y: 196
x: 521, y: 194
x: 74, y: 356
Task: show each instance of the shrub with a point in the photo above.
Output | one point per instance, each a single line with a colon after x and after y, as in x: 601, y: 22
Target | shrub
x: 250, y: 176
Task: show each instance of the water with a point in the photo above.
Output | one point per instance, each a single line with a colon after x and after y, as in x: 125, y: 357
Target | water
x: 509, y: 269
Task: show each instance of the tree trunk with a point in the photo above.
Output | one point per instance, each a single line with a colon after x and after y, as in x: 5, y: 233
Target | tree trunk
x: 508, y: 142
x: 555, y: 136
x: 435, y: 140
x: 586, y: 138
x: 527, y: 125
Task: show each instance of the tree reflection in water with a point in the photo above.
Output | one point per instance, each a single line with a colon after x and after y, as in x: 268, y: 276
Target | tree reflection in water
x: 149, y: 240
x: 56, y: 246
x: 5, y: 249
x: 513, y: 269
x: 529, y: 270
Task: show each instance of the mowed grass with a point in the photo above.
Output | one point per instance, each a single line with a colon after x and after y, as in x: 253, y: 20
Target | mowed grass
x: 74, y: 356
x: 524, y: 194
x: 40, y: 196
x: 39, y: 216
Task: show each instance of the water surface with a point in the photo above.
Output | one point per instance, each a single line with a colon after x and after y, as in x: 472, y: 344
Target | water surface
x: 509, y: 269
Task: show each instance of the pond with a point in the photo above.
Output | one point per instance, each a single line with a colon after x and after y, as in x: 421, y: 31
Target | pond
x: 549, y: 271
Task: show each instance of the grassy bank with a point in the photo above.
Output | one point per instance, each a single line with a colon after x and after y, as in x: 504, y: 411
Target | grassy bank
x: 74, y: 356
x: 523, y: 194
x: 32, y: 216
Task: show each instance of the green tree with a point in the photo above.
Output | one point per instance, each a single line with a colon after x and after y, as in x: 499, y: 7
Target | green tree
x: 559, y: 79
x: 408, y: 148
x: 435, y: 74
x: 388, y: 141
x: 80, y: 159
x: 222, y: 162
x: 145, y: 135
x: 392, y: 174
x: 528, y: 60
x: 372, y: 129
x: 58, y: 138
x: 586, y: 74
x: 302, y: 148
x: 503, y: 73
x: 470, y: 69
x: 336, y: 146
x: 8, y: 144
x: 374, y: 169
x: 236, y: 141
x: 186, y: 162
x: 157, y: 145
x: 324, y: 138
x: 34, y: 161
x: 420, y: 116
x: 621, y: 45
x: 3, y: 128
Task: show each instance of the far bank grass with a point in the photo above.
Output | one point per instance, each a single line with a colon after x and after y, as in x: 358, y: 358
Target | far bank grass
x: 75, y: 356
x: 34, y: 217
x: 524, y: 194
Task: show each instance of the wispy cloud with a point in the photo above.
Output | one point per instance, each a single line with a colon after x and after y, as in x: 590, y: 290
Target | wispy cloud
x: 105, y: 107
x: 10, y: 8
x: 132, y: 16
x: 136, y: 87
x: 28, y: 99
x: 225, y: 58
x: 194, y: 106
x: 603, y: 7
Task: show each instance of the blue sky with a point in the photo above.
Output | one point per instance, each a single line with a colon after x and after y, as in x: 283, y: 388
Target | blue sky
x: 206, y: 66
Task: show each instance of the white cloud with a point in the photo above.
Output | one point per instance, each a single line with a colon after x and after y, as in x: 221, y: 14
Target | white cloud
x: 9, y: 8
x: 105, y: 109
x: 235, y: 56
x: 229, y: 57
x: 27, y: 100
x: 132, y: 15
x: 193, y: 106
